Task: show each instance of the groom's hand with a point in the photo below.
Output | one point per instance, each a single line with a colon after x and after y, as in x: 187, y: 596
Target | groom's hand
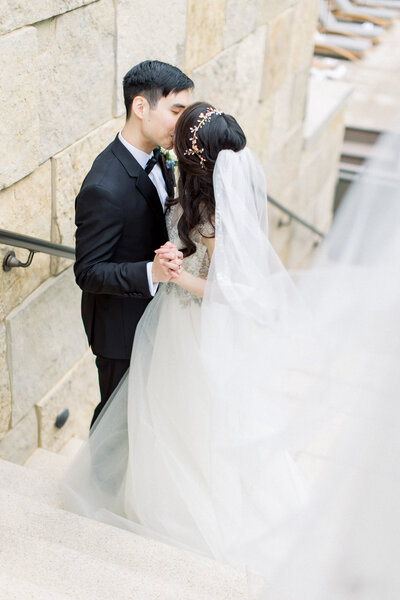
x: 169, y: 251
x: 160, y: 271
x: 167, y: 263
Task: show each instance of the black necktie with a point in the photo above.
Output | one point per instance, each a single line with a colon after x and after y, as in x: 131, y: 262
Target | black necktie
x: 153, y: 160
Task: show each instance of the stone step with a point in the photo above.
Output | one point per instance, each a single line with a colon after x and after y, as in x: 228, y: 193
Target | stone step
x: 51, y: 463
x: 59, y: 570
x: 15, y: 588
x: 21, y: 481
x: 72, y: 447
x: 83, y: 559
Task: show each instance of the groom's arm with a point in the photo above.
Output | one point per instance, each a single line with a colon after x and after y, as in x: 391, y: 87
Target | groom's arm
x: 100, y: 222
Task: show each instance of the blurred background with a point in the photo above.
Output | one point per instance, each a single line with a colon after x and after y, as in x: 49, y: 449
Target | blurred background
x: 312, y: 82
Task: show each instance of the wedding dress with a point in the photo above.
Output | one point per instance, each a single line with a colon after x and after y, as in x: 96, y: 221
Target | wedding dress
x: 258, y: 425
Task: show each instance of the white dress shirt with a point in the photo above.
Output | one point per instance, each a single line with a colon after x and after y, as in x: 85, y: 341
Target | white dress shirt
x: 157, y: 178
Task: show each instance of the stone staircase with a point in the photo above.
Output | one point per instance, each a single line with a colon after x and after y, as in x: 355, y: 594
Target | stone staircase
x: 48, y: 553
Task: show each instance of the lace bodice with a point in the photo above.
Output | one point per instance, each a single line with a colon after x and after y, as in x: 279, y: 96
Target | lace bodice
x: 196, y: 264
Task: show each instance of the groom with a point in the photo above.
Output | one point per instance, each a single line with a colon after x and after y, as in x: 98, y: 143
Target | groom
x: 120, y: 219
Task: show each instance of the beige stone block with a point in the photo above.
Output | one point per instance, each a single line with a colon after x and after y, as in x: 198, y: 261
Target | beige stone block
x: 69, y: 168
x: 19, y: 105
x: 314, y: 176
x: 26, y: 208
x: 323, y: 205
x: 277, y: 52
x: 257, y: 125
x: 300, y: 84
x: 279, y: 232
x: 289, y: 104
x: 308, y: 183
x: 269, y: 9
x: 204, y: 35
x: 310, y: 196
x: 282, y: 226
x: 319, y: 162
x: 303, y: 244
x: 313, y: 202
x: 45, y: 339
x: 281, y: 119
x: 78, y: 391
x: 302, y: 38
x: 330, y: 131
x: 241, y: 19
x: 282, y: 166
x: 335, y: 130
x: 288, y: 198
x: 18, y: 13
x: 22, y: 440
x: 326, y: 100
x: 143, y: 32
x: 236, y: 74
x: 5, y: 390
x: 302, y: 241
x: 76, y: 73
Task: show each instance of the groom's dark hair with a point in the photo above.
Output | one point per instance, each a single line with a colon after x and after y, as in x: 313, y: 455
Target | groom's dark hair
x: 153, y: 79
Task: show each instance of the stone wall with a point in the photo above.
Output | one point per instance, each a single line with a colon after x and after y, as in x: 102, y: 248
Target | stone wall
x: 62, y: 63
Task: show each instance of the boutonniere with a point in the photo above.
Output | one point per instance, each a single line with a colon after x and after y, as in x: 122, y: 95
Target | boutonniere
x: 170, y: 158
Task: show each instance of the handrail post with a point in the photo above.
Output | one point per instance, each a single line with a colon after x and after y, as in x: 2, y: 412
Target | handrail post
x: 11, y: 261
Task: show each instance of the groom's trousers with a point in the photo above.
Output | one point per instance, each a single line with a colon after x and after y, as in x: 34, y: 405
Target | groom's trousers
x: 110, y: 372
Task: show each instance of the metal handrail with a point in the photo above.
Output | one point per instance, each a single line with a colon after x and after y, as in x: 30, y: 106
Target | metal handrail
x: 10, y: 238
x: 295, y: 217
x: 18, y: 240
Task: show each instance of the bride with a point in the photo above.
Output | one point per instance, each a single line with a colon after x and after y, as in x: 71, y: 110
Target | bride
x: 255, y: 424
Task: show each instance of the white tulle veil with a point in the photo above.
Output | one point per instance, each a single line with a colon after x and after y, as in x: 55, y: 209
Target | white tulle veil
x: 305, y: 365
x: 302, y: 370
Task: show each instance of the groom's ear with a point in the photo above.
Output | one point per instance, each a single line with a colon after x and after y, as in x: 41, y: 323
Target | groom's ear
x: 140, y: 106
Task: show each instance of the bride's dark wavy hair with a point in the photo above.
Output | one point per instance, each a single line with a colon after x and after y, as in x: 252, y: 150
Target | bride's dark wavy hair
x: 195, y: 185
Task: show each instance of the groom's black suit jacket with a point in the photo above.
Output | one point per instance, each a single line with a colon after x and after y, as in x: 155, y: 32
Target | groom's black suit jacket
x: 120, y: 222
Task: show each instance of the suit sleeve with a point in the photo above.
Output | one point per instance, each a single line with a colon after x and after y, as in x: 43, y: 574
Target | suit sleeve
x: 99, y: 221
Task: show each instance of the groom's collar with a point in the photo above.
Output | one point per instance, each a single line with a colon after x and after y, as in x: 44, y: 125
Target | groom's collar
x: 142, y: 157
x: 143, y: 183
x: 129, y: 162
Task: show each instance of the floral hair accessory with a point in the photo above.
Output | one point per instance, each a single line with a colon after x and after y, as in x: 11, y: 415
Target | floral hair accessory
x: 203, y: 118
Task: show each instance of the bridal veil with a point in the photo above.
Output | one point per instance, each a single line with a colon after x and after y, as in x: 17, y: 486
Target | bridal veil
x: 299, y: 373
x: 305, y: 365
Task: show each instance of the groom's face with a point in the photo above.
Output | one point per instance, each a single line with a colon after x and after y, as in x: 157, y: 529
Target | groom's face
x: 159, y: 122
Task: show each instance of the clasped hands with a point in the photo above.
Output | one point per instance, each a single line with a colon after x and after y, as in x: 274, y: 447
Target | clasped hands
x: 167, y: 264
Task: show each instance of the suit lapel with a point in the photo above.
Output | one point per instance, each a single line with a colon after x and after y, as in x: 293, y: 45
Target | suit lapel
x: 149, y: 191
x: 168, y: 175
x: 143, y: 182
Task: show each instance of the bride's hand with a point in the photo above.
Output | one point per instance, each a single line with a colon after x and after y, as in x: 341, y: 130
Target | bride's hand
x: 169, y: 251
x: 172, y: 258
